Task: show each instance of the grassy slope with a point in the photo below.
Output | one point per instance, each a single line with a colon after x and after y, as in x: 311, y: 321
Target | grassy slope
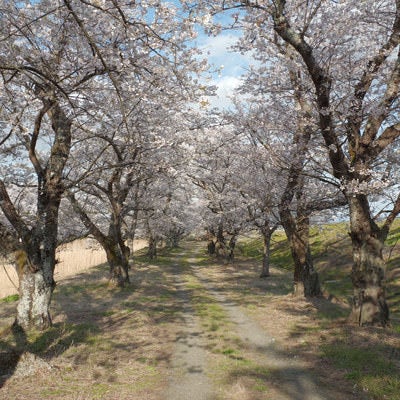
x: 367, y: 357
x: 331, y: 249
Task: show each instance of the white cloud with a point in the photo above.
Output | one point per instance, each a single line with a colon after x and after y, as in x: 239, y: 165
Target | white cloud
x: 218, y: 51
x: 226, y: 90
x: 215, y: 45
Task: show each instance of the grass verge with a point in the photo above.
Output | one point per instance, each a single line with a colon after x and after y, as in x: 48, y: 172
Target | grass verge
x: 368, y: 358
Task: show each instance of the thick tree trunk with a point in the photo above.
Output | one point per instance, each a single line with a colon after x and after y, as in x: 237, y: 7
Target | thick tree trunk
x: 116, y: 251
x: 35, y: 292
x: 119, y: 266
x: 369, y: 305
x: 232, y: 245
x: 152, y: 251
x: 35, y: 265
x: 36, y: 260
x: 211, y: 241
x: 220, y: 245
x: 211, y: 247
x: 307, y: 277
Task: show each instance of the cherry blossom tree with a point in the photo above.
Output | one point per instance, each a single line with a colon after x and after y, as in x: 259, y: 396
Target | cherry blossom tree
x: 257, y: 184
x: 57, y: 61
x: 214, y: 168
x: 348, y: 52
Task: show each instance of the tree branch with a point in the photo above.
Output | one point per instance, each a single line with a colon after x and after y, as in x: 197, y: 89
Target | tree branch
x: 11, y: 213
x: 33, y: 141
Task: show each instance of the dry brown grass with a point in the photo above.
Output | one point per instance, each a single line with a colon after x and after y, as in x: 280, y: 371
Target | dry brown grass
x: 106, y: 343
x: 74, y: 258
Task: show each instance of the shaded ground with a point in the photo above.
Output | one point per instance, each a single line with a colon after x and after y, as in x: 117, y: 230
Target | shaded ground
x: 290, y: 376
x: 105, y: 343
x: 188, y: 328
x: 253, y: 362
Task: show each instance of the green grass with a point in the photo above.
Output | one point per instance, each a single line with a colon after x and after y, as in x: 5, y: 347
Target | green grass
x: 99, y: 390
x: 10, y: 299
x: 331, y: 251
x: 367, y: 369
x: 280, y: 252
x: 250, y: 248
x: 210, y: 312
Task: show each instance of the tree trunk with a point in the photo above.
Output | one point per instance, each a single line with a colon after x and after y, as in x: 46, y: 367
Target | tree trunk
x: 117, y: 252
x: 369, y: 305
x: 119, y: 266
x: 152, y: 251
x: 35, y: 265
x: 220, y: 245
x: 305, y: 277
x: 35, y: 292
x: 232, y: 245
x: 267, y: 235
x: 211, y: 241
x: 37, y: 262
x: 211, y: 248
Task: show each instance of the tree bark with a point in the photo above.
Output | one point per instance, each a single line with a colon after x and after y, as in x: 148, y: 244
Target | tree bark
x: 152, y: 251
x: 116, y: 250
x: 232, y: 245
x: 305, y: 277
x: 211, y: 247
x: 266, y: 232
x: 367, y: 137
x: 36, y: 270
x: 113, y: 245
x: 35, y: 293
x: 220, y: 245
x: 369, y: 305
x: 119, y: 266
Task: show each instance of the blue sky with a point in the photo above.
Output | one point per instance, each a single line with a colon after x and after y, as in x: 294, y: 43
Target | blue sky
x: 231, y: 64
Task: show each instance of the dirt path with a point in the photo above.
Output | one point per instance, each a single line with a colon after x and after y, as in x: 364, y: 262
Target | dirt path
x: 188, y: 380
x: 190, y: 369
x: 189, y: 328
x: 294, y: 383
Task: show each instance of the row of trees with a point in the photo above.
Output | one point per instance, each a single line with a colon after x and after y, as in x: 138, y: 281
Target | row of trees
x: 103, y: 132
x: 327, y: 77
x: 94, y: 95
